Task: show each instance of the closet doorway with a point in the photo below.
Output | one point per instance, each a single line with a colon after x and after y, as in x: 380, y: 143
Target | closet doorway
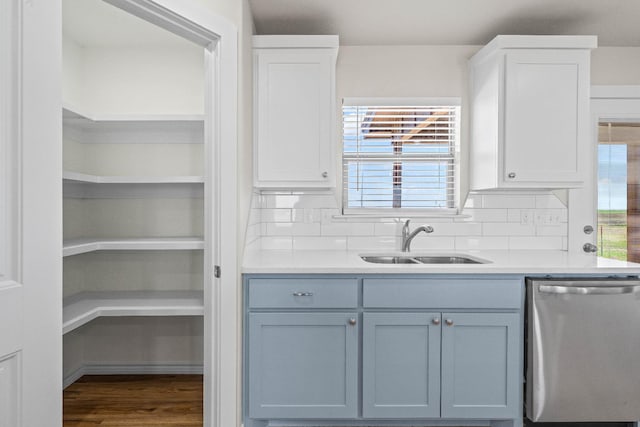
x: 148, y: 97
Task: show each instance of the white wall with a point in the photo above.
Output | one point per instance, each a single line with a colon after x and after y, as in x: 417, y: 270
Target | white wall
x: 130, y: 80
x: 615, y: 66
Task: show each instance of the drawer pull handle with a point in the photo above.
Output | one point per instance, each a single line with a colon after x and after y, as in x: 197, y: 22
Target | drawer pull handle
x: 303, y: 294
x: 449, y: 322
x: 435, y: 320
x: 352, y: 321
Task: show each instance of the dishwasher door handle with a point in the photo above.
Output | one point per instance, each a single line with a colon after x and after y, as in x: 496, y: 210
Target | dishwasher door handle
x: 589, y: 290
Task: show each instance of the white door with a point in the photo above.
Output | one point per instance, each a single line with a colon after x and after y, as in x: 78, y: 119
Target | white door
x: 606, y: 212
x: 10, y: 291
x: 30, y: 215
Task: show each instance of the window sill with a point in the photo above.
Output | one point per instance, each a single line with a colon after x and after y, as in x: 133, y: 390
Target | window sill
x: 385, y: 217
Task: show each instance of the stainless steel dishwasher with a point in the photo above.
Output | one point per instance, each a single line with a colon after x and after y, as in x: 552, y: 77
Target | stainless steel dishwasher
x: 583, y: 350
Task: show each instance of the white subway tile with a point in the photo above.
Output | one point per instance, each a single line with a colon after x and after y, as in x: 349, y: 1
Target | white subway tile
x: 254, y: 231
x: 271, y: 242
x: 292, y: 229
x: 508, y: 229
x: 376, y: 243
x: 434, y: 242
x: 486, y: 215
x: 276, y: 215
x: 280, y: 201
x: 327, y: 215
x: 457, y: 229
x: 482, y: 242
x: 508, y: 201
x: 514, y: 215
x: 319, y: 201
x: 319, y: 243
x: 347, y: 229
x: 549, y: 201
x: 415, y: 222
x: 474, y: 201
x: 553, y: 215
x: 551, y: 230
x: 537, y: 242
x: 387, y: 229
x: 278, y: 228
x: 306, y: 229
x: 306, y: 215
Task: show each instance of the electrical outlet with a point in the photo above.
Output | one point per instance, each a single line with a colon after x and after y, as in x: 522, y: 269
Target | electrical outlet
x: 547, y: 218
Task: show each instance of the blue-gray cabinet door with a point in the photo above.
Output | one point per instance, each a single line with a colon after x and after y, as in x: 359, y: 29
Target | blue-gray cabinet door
x: 401, y: 365
x: 303, y: 365
x: 480, y: 365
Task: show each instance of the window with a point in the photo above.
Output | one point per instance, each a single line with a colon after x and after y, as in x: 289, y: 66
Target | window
x: 618, y: 190
x: 400, y: 154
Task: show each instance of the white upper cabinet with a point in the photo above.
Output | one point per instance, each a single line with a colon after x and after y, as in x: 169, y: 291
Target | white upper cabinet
x: 529, y: 111
x: 294, y: 107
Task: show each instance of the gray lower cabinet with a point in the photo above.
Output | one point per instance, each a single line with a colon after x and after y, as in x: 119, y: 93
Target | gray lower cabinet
x: 303, y: 365
x: 480, y: 365
x: 449, y: 365
x: 446, y: 349
x: 401, y: 365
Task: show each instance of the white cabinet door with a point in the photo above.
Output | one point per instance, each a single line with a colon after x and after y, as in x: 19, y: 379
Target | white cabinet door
x: 529, y: 112
x: 544, y: 113
x: 294, y: 134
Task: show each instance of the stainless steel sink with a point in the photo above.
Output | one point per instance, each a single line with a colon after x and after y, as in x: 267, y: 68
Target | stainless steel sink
x: 390, y: 260
x: 448, y: 260
x: 422, y: 259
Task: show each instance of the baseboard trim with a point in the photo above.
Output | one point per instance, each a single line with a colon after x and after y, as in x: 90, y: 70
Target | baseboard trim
x: 99, y: 369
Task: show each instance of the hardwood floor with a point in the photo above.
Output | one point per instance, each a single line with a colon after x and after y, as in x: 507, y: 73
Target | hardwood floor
x: 134, y: 401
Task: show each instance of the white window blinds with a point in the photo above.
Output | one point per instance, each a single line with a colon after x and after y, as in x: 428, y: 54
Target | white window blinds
x: 399, y: 156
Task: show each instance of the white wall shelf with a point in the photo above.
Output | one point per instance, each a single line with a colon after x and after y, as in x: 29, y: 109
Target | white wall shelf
x: 133, y: 128
x: 83, y: 307
x: 81, y: 246
x: 72, y: 113
x: 78, y: 177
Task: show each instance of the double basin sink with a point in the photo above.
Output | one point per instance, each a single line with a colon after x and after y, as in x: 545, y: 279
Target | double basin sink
x: 422, y: 259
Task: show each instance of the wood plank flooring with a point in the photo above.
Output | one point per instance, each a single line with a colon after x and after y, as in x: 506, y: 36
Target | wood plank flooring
x: 134, y: 401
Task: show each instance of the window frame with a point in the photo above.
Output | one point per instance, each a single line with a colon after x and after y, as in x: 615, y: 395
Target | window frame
x: 404, y: 212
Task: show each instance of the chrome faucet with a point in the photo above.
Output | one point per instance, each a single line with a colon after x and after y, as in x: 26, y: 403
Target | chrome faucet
x: 407, y: 235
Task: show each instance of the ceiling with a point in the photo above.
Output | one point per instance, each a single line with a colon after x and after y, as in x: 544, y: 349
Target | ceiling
x: 449, y: 22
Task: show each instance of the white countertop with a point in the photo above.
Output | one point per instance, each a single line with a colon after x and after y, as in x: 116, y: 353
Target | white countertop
x: 502, y: 262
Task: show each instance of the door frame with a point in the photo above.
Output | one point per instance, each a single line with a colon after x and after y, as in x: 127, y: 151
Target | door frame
x: 613, y: 102
x: 40, y: 150
x: 219, y: 39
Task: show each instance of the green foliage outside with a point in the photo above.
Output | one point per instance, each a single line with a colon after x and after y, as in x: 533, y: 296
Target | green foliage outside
x: 612, y: 234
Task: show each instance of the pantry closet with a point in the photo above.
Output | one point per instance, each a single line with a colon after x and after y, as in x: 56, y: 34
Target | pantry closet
x: 134, y: 195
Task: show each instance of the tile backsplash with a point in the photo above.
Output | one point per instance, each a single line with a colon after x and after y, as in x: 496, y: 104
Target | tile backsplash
x: 313, y: 220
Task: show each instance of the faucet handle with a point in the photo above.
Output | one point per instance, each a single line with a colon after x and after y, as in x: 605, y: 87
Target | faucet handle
x: 406, y: 223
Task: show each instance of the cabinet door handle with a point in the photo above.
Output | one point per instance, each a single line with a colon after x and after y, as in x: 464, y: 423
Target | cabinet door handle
x: 325, y: 174
x: 435, y: 320
x: 303, y: 294
x: 449, y: 322
x: 512, y: 175
x: 352, y: 321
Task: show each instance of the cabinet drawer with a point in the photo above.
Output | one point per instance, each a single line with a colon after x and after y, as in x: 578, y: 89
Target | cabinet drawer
x: 442, y: 293
x: 303, y: 293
